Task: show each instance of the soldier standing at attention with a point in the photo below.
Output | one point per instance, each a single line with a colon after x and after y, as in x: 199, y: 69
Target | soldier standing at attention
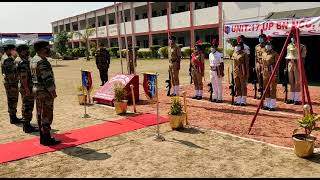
x: 293, y: 71
x: 259, y: 50
x: 174, y: 56
x: 216, y: 72
x: 44, y: 89
x: 269, y: 60
x: 103, y: 62
x: 132, y: 61
x: 9, y: 71
x: 197, y: 70
x: 24, y: 76
x: 240, y: 73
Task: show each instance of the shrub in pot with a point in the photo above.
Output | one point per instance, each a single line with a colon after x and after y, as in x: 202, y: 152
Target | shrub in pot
x: 120, y: 102
x: 176, y: 115
x: 304, y: 142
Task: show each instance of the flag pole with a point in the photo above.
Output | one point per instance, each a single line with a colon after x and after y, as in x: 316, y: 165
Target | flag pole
x: 118, y: 30
x: 158, y: 137
x: 125, y: 36
x: 133, y: 38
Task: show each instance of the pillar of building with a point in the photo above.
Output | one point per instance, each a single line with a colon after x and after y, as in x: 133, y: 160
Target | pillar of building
x: 149, y: 23
x: 107, y: 27
x: 80, y: 45
x: 97, y: 24
x: 168, y: 18
x: 220, y: 27
x: 191, y: 25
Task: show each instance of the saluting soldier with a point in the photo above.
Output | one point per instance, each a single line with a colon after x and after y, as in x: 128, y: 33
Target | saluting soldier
x: 103, y: 63
x: 9, y: 71
x: 240, y: 73
x: 174, y: 56
x: 293, y: 71
x: 24, y: 76
x: 44, y: 89
x: 269, y: 60
x: 259, y: 50
x: 132, y: 61
x: 216, y: 72
x: 197, y: 70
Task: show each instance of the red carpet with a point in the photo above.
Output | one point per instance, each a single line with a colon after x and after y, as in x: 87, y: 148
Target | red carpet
x: 27, y: 148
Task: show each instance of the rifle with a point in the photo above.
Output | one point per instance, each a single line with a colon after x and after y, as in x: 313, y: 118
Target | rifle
x: 285, y: 84
x: 168, y: 81
x: 254, y: 82
x: 260, y: 90
x: 210, y: 90
x: 232, y: 85
x: 190, y: 69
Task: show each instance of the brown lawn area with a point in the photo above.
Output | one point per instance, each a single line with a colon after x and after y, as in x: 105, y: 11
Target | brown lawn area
x: 199, y: 151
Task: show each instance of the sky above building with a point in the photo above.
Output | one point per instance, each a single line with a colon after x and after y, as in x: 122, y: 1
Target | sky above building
x: 17, y: 17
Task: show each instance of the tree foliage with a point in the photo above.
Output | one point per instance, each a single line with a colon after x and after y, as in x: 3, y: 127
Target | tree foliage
x: 61, y: 41
x: 85, y: 38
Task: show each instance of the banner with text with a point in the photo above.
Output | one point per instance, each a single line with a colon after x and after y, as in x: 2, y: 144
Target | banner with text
x: 281, y: 27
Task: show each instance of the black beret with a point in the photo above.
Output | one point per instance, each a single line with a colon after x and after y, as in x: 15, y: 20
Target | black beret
x: 22, y: 47
x: 40, y: 44
x: 8, y: 47
x: 173, y: 38
x: 263, y: 36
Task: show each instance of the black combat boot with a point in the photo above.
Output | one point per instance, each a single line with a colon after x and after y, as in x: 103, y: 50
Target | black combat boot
x: 297, y: 102
x: 289, y: 101
x: 214, y: 100
x: 47, y: 140
x: 27, y: 128
x: 199, y: 97
x: 195, y: 97
x: 219, y: 101
x: 15, y: 120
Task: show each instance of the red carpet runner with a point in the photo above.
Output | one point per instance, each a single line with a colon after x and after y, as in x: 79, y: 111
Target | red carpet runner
x: 27, y: 148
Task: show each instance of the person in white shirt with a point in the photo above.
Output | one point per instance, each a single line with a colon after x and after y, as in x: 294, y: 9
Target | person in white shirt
x: 246, y: 48
x: 216, y: 72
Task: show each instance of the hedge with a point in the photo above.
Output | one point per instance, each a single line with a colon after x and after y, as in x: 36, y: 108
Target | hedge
x: 144, y: 53
x: 163, y: 52
x: 113, y: 51
x: 154, y: 51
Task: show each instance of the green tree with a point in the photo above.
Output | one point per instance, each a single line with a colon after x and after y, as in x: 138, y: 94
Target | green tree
x: 85, y: 39
x: 61, y: 40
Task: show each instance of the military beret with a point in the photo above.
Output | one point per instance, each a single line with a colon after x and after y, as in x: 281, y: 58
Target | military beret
x: 8, y: 47
x: 173, y: 38
x: 40, y: 44
x: 22, y: 47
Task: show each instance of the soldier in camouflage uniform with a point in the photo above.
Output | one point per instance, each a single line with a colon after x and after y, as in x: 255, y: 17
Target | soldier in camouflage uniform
x: 197, y: 70
x: 240, y: 74
x: 174, y: 55
x: 259, y: 50
x: 269, y: 60
x: 44, y: 89
x: 103, y: 62
x: 24, y: 76
x: 9, y: 72
x: 132, y: 63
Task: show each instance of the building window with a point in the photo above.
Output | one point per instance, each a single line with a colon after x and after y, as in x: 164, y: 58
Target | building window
x: 75, y: 26
x: 137, y: 17
x: 181, y: 41
x: 68, y: 27
x: 101, y: 20
x: 111, y: 21
x: 164, y: 12
x: 178, y: 7
x: 55, y: 29
x: 82, y: 24
x: 61, y: 28
x: 145, y: 43
x: 92, y: 22
x: 201, y: 5
x: 144, y: 15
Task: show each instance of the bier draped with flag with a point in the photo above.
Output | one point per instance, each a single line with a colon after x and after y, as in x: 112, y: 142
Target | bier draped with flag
x: 149, y: 84
x: 86, y: 80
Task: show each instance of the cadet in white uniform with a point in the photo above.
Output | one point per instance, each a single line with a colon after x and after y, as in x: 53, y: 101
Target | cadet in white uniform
x: 216, y: 72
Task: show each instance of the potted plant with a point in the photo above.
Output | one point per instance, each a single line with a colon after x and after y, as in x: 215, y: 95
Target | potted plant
x: 120, y: 102
x: 176, y: 115
x: 304, y: 143
x: 81, y: 96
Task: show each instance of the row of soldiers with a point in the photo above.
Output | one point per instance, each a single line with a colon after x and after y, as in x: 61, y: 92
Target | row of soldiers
x: 265, y: 60
x: 34, y: 78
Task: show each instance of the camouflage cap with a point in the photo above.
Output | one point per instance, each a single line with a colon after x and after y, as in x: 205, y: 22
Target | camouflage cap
x: 40, y: 44
x: 22, y: 47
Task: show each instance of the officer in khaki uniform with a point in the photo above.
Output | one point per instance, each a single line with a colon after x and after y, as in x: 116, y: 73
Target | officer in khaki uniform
x: 269, y: 60
x: 44, y: 89
x: 174, y: 56
x: 259, y: 50
x: 24, y: 76
x: 103, y: 63
x: 132, y: 61
x: 9, y: 72
x: 293, y: 71
x: 197, y: 70
x: 240, y: 73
